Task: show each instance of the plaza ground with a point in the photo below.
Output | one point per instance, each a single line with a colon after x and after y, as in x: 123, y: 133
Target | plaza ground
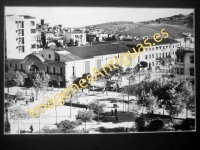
x: 54, y: 115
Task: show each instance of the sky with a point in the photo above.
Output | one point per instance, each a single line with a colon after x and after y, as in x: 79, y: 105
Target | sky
x: 83, y: 16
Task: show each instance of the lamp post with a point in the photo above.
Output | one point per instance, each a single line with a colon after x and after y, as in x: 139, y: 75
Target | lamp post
x: 123, y: 100
x: 56, y: 112
x: 71, y: 106
x: 98, y: 110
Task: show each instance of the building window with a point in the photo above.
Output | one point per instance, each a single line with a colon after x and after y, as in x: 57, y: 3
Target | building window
x: 177, y: 70
x: 98, y: 63
x: 21, y: 67
x: 178, y: 58
x: 191, y: 71
x: 160, y: 55
x: 146, y: 49
x: 49, y: 56
x: 166, y: 47
x: 21, y: 49
x: 160, y: 47
x: 192, y: 59
x: 33, y: 45
x: 20, y: 40
x: 181, y: 71
x: 32, y: 23
x: 149, y: 56
x: 87, y: 66
x: 60, y: 70
x: 73, y: 69
x: 32, y: 30
x: 20, y: 32
x: 156, y: 55
x: 153, y: 48
x: 173, y: 46
x: 152, y: 55
x: 146, y: 56
x: 20, y: 24
x: 47, y: 69
x: 156, y: 48
x: 54, y: 70
x: 152, y: 63
x: 181, y: 59
x: 15, y: 66
x: 149, y: 49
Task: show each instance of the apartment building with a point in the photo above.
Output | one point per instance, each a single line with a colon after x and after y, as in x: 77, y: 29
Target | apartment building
x: 20, y: 33
x: 79, y: 37
x: 185, y: 61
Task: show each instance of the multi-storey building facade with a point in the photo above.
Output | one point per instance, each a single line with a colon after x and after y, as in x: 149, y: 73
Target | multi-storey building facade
x: 185, y: 61
x: 80, y: 37
x: 20, y: 35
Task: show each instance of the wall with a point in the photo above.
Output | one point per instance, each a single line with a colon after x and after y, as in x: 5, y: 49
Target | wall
x: 46, y: 54
x: 11, y: 27
x: 187, y: 63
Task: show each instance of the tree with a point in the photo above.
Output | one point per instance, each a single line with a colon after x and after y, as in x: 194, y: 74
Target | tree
x: 71, y: 43
x: 84, y: 116
x: 13, y: 78
x: 143, y: 64
x: 189, y: 96
x: 17, y: 114
x: 139, y: 123
x: 84, y: 76
x: 9, y: 78
x: 97, y: 107
x: 40, y: 80
x: 148, y: 100
x: 20, y: 78
x: 175, y: 105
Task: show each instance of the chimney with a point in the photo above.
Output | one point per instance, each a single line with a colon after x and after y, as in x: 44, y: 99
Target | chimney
x: 42, y: 21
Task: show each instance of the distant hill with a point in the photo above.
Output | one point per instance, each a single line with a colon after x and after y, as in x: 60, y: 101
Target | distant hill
x: 186, y: 20
x: 115, y: 26
x: 151, y: 29
x: 174, y: 24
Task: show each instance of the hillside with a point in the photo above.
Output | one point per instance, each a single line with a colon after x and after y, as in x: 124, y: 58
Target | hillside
x: 174, y: 24
x: 151, y: 29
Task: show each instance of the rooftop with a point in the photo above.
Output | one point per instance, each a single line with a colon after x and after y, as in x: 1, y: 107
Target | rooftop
x: 27, y: 17
x: 87, y: 52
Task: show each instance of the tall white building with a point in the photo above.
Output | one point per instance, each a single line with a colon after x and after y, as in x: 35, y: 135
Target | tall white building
x: 20, y: 36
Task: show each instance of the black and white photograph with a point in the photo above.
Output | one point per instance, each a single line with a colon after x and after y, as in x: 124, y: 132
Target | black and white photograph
x: 99, y: 70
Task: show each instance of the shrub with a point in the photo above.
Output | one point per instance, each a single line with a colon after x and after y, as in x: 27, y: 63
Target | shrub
x: 139, y: 122
x: 177, y: 127
x: 155, y: 125
x: 67, y: 125
x: 187, y: 124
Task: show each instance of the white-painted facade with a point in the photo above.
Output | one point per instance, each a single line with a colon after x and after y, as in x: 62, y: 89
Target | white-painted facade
x: 20, y: 36
x: 79, y: 36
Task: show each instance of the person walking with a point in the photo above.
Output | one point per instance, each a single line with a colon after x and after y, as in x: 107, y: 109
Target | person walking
x: 31, y: 127
x: 116, y: 112
x: 111, y: 112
